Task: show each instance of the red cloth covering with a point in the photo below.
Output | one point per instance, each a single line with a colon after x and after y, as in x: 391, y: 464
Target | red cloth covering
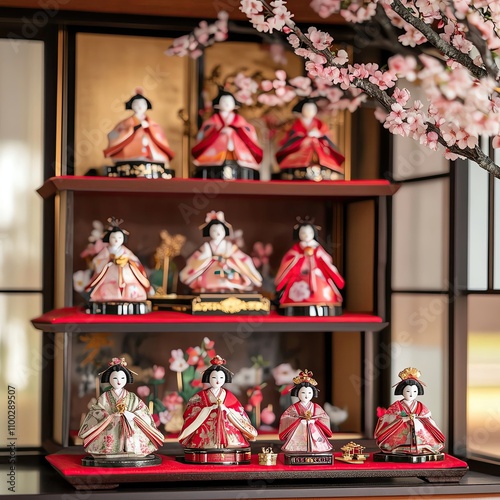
x: 78, y: 315
x: 70, y: 465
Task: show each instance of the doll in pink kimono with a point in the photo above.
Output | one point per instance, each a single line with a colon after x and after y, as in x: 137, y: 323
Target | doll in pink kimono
x: 305, y: 426
x: 406, y: 427
x: 118, y: 274
x: 219, y: 265
x: 307, y: 152
x: 227, y: 146
x: 306, y: 276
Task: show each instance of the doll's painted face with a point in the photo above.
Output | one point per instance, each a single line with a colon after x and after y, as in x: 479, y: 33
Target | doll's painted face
x: 306, y: 233
x: 139, y: 106
x: 117, y: 380
x: 309, y: 110
x: 226, y: 103
x: 116, y: 239
x: 217, y: 379
x: 410, y: 393
x: 305, y: 394
x: 217, y: 232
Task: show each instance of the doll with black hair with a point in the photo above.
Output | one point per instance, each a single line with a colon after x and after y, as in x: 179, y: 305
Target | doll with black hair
x: 305, y: 426
x: 119, y: 424
x: 307, y: 152
x: 307, y: 282
x: 406, y: 427
x: 227, y: 146
x: 137, y: 141
x: 219, y: 265
x: 119, y: 276
x: 215, y: 421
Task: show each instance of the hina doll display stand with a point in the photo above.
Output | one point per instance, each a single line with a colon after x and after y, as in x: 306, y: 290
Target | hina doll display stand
x: 230, y: 171
x: 311, y: 310
x: 222, y: 456
x: 119, y: 308
x: 308, y: 458
x: 403, y: 458
x: 134, y: 169
x: 174, y: 471
x: 132, y: 461
x: 210, y: 304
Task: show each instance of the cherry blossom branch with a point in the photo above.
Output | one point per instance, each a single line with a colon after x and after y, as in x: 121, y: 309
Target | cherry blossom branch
x: 445, y: 48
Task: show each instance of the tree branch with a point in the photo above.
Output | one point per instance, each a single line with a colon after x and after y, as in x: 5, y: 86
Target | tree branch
x: 444, y: 47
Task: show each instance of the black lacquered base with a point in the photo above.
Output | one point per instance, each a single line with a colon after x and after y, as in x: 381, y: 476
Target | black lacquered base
x: 220, y: 456
x: 146, y: 461
x: 308, y: 458
x: 134, y: 169
x: 119, y: 308
x: 230, y: 171
x: 313, y: 311
x: 313, y: 173
x: 407, y: 459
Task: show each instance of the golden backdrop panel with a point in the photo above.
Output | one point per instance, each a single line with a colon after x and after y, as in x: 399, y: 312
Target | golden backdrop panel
x: 108, y: 70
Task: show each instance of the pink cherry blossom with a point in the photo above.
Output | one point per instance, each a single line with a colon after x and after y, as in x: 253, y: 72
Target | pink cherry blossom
x: 319, y: 39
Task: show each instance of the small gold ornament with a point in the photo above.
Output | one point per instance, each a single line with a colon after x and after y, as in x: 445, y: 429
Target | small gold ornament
x: 267, y: 457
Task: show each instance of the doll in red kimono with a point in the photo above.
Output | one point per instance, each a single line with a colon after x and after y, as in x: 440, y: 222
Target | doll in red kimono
x: 307, y: 277
x: 214, y: 419
x: 406, y: 427
x: 307, y: 152
x: 119, y: 276
x: 219, y: 265
x: 227, y: 146
x: 305, y: 426
x: 138, y: 139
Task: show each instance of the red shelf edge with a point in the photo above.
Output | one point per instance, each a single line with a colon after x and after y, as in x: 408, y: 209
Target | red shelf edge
x: 354, y: 188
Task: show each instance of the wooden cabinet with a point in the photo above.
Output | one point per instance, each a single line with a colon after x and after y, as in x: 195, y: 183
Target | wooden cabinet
x: 353, y: 217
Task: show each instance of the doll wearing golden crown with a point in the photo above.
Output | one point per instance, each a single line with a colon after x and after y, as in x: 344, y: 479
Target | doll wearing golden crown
x: 305, y: 426
x: 219, y: 265
x: 119, y: 423
x: 406, y: 426
x: 307, y: 275
x: 214, y: 418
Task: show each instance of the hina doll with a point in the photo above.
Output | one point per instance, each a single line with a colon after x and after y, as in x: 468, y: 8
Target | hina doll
x: 305, y: 426
x: 216, y: 427
x: 219, y: 265
x: 307, y: 281
x: 138, y: 140
x: 119, y: 277
x: 406, y: 427
x: 307, y: 152
x: 119, y: 424
x: 227, y: 146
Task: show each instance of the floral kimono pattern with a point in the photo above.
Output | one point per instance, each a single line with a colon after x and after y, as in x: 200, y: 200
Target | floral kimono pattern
x: 307, y: 276
x: 305, y: 429
x: 408, y: 429
x: 106, y: 429
x: 222, y: 267
x: 118, y: 276
x: 211, y: 422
